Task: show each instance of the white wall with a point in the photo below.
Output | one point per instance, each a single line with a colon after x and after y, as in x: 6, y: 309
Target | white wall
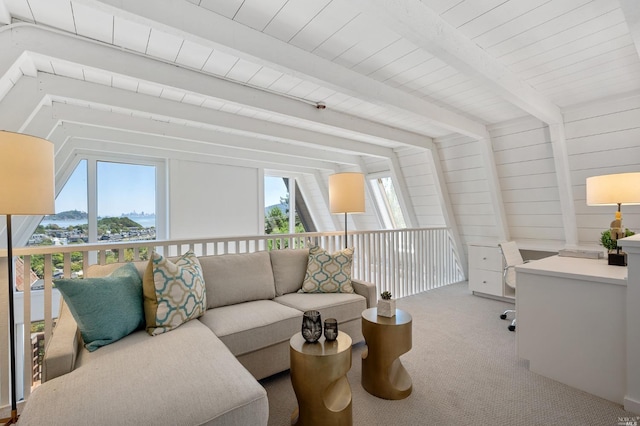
x: 423, y: 194
x: 602, y: 138
x: 212, y: 200
x: 465, y: 174
x: 526, y: 171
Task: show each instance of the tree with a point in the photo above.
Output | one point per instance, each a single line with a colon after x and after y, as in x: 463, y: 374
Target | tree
x: 276, y: 222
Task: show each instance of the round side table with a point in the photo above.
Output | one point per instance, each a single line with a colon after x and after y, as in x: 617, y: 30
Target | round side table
x: 383, y: 375
x: 319, y: 379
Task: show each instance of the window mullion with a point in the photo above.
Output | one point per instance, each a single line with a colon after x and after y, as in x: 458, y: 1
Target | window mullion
x: 292, y: 205
x: 92, y: 205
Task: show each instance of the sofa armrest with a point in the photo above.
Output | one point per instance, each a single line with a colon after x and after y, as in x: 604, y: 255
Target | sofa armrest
x: 62, y: 350
x: 366, y: 289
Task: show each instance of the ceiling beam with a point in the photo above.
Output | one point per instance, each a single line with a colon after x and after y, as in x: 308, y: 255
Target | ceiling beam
x: 631, y: 10
x: 402, y: 192
x: 133, y: 131
x: 99, y: 56
x: 19, y: 103
x: 5, y: 16
x: 415, y: 21
x: 442, y: 192
x: 168, y: 143
x: 202, y: 26
x: 100, y: 147
x: 565, y: 189
x: 63, y: 87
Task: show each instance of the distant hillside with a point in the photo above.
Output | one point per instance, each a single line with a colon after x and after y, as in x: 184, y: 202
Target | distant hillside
x: 283, y: 208
x: 118, y: 223
x: 68, y: 215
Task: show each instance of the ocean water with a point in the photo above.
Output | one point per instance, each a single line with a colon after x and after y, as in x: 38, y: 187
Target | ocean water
x: 145, y: 221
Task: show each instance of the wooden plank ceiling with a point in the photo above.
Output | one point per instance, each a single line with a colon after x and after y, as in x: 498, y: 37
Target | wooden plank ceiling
x: 417, y: 69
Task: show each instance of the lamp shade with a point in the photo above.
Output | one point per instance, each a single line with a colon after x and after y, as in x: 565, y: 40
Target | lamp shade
x: 621, y: 188
x: 26, y: 175
x: 346, y: 193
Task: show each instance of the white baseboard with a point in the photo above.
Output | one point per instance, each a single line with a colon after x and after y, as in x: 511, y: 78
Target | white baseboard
x: 632, y: 405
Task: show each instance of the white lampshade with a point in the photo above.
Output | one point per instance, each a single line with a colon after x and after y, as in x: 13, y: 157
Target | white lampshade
x: 26, y: 175
x: 605, y: 190
x: 346, y: 193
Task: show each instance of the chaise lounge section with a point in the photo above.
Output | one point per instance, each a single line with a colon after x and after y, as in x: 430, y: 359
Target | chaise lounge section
x: 206, y: 370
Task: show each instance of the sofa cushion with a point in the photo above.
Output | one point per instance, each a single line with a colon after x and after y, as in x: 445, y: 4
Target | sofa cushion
x: 186, y: 377
x: 328, y: 272
x: 174, y: 292
x: 341, y: 306
x: 289, y: 269
x: 246, y: 327
x: 237, y: 278
x: 106, y: 309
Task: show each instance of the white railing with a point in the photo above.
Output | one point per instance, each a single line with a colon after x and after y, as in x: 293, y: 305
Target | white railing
x: 404, y: 262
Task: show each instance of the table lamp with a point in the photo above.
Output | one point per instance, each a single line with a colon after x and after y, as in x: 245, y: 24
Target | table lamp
x: 611, y: 190
x: 346, y: 195
x: 26, y: 173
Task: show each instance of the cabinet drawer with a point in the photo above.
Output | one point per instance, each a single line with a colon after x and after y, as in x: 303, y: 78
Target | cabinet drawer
x: 489, y: 282
x: 487, y: 258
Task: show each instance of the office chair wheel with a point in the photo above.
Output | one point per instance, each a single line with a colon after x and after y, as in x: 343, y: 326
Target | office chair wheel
x: 503, y: 316
x: 512, y: 328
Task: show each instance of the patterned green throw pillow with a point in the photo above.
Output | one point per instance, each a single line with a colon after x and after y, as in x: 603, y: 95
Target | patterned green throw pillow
x: 328, y: 272
x: 174, y: 292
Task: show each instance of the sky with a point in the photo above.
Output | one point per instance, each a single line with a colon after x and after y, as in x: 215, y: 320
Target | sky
x: 123, y: 188
x: 274, y: 188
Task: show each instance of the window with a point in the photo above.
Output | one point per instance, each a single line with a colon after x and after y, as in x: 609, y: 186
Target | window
x: 388, y: 203
x: 279, y: 217
x: 126, y: 198
x: 70, y: 223
x: 122, y: 207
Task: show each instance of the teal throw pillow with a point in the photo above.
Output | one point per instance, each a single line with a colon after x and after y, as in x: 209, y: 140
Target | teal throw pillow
x: 105, y: 308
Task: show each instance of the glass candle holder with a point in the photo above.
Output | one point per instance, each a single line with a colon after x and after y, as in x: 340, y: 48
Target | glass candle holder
x: 311, y: 326
x: 331, y: 329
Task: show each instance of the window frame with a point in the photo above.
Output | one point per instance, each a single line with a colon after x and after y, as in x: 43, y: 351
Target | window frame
x: 294, y: 188
x: 381, y: 201
x: 92, y: 188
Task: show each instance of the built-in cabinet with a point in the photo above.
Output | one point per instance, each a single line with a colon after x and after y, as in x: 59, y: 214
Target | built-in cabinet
x: 486, y: 265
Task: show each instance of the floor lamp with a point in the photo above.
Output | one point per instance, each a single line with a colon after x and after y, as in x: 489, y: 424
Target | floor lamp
x: 27, y: 188
x: 346, y: 195
x: 612, y: 190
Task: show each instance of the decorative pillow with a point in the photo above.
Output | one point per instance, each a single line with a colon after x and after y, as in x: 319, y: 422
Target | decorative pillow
x: 328, y: 273
x: 105, y: 308
x: 174, y: 293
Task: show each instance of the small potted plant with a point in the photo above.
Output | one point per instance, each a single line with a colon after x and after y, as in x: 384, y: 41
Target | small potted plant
x: 386, y: 305
x: 616, y: 257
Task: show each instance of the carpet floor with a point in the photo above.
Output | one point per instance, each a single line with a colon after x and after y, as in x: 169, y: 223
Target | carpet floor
x: 465, y: 371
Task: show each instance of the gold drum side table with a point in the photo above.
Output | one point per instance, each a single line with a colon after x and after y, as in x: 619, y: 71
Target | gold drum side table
x: 319, y: 379
x: 383, y: 375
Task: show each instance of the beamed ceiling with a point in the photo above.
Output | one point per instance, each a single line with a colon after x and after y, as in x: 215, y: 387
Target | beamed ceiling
x: 241, y: 79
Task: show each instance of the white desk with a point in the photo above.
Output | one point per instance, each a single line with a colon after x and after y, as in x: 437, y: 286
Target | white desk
x: 572, y: 323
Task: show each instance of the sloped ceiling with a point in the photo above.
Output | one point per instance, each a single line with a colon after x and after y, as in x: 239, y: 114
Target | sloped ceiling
x: 243, y: 79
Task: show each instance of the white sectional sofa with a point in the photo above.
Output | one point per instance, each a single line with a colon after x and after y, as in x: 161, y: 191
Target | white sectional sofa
x: 206, y: 371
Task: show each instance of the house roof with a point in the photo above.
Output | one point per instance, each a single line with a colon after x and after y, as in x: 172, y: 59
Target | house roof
x: 19, y: 275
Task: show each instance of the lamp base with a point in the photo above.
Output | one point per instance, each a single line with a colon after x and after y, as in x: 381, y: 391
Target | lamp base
x: 10, y: 420
x: 618, y: 259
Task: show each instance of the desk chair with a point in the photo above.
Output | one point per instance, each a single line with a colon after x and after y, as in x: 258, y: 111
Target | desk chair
x: 512, y: 258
